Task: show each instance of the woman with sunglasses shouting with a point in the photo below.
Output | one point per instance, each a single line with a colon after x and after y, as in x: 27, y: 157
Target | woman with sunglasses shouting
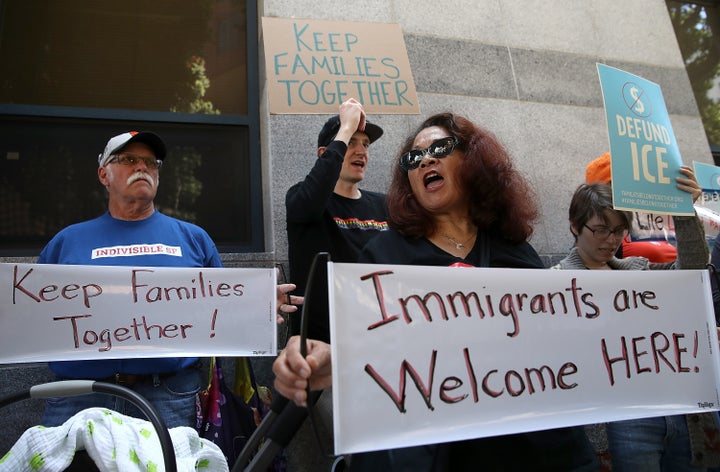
x: 660, y: 443
x: 455, y: 199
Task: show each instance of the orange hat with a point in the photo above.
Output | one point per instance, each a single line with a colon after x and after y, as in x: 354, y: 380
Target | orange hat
x: 598, y: 170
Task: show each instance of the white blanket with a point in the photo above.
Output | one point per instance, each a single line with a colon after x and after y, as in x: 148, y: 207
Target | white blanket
x: 114, y: 441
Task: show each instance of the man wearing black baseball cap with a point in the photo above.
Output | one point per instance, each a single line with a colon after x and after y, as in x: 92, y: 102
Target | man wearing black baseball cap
x: 327, y: 211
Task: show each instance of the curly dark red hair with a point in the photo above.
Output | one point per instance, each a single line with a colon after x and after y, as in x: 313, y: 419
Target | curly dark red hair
x: 500, y: 198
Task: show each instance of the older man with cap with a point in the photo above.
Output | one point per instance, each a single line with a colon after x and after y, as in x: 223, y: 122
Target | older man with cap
x: 327, y: 211
x: 129, y: 168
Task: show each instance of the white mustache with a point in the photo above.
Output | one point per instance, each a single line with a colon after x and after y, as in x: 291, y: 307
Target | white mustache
x: 141, y: 175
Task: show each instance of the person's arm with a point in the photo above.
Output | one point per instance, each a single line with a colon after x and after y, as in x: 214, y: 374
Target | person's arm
x: 693, y: 252
x: 306, y: 200
x: 293, y: 371
x: 692, y: 248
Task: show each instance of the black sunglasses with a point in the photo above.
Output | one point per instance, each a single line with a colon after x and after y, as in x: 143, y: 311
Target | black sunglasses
x: 440, y: 148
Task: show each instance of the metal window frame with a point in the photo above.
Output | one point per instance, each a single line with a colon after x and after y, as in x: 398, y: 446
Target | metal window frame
x: 251, y: 121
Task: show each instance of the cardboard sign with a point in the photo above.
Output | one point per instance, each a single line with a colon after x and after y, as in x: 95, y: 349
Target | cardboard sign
x: 71, y: 312
x: 426, y: 355
x: 314, y: 65
x: 644, y: 154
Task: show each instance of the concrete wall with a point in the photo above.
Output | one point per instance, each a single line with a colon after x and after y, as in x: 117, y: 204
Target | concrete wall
x: 525, y: 70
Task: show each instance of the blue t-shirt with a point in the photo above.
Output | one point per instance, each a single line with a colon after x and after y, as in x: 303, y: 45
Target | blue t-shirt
x: 157, y: 241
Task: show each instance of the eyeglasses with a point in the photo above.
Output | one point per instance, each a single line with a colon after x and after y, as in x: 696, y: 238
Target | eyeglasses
x: 603, y: 233
x: 440, y: 148
x: 126, y: 159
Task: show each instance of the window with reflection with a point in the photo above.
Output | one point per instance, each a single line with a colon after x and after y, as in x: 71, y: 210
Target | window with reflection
x: 77, y: 73
x: 697, y: 28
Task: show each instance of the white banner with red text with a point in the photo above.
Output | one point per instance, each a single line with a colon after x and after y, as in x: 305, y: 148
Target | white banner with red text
x: 427, y: 355
x: 72, y: 312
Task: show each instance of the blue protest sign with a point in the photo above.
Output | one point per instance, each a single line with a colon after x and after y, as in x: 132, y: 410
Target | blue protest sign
x: 708, y: 176
x: 645, y: 157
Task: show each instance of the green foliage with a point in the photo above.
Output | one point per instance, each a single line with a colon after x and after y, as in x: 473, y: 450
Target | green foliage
x: 694, y: 27
x: 194, y: 101
x: 180, y: 186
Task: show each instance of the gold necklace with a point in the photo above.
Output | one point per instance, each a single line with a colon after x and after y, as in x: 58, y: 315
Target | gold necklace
x: 458, y: 245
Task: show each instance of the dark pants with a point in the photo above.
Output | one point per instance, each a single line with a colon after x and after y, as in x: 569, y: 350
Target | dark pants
x: 173, y: 396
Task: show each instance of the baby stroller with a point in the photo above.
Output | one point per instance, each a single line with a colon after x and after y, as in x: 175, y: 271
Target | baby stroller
x: 64, y: 388
x: 271, y: 436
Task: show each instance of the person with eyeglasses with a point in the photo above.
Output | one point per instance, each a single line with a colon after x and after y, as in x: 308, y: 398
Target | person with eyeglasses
x: 672, y: 443
x: 652, y: 236
x: 129, y: 169
x: 599, y: 230
x: 455, y: 199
